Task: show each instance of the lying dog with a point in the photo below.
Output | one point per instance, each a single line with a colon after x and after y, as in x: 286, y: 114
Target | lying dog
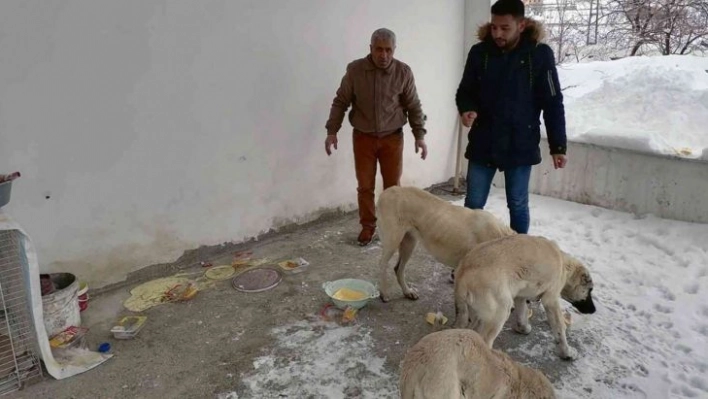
x: 452, y: 364
x: 502, y: 274
x: 447, y: 231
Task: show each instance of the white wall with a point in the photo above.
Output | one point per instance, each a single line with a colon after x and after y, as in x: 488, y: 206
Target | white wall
x: 156, y: 126
x: 625, y: 180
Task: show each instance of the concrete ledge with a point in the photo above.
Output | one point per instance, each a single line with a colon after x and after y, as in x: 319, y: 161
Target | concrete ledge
x: 625, y: 180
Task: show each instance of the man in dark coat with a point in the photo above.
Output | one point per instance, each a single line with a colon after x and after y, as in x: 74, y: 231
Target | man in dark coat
x: 509, y: 78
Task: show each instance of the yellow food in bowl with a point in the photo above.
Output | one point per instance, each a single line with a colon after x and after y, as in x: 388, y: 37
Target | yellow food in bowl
x: 348, y: 294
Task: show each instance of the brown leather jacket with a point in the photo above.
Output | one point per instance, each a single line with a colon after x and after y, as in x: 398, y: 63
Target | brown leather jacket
x: 381, y: 99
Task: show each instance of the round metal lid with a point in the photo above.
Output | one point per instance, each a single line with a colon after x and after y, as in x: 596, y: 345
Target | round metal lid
x: 256, y: 280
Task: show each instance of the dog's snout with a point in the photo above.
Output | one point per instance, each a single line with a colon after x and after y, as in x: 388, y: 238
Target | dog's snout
x: 586, y: 306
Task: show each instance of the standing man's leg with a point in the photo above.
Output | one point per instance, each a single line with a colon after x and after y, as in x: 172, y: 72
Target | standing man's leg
x: 390, y: 154
x: 517, y: 197
x: 479, y: 181
x: 365, y: 165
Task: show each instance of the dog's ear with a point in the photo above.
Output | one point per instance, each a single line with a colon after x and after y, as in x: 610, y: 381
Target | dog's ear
x: 585, y: 278
x: 570, y: 263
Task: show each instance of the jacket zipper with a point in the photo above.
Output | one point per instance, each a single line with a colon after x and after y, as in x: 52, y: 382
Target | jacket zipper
x: 551, y: 85
x: 376, y: 101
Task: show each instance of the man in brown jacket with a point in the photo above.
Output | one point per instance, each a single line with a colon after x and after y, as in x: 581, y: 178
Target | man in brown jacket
x: 381, y: 91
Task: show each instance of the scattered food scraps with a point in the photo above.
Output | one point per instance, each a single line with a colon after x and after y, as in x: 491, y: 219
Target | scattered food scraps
x: 349, y: 315
x: 258, y: 262
x: 151, y: 293
x: 438, y: 317
x: 242, y: 255
x: 329, y: 312
x: 180, y: 293
x: 205, y: 264
x: 241, y: 261
x: 220, y: 272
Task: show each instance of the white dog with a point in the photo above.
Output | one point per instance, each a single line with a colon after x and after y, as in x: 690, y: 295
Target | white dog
x: 502, y: 274
x: 447, y: 231
x: 457, y: 364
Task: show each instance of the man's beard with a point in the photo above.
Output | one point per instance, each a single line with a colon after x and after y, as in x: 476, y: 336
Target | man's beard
x: 507, y: 44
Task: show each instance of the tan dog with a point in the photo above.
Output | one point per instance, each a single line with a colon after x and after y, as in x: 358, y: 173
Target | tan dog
x: 447, y: 231
x: 452, y: 364
x: 502, y: 274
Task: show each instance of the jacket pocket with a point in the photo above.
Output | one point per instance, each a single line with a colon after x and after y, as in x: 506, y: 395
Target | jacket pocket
x: 527, y: 137
x: 551, y: 85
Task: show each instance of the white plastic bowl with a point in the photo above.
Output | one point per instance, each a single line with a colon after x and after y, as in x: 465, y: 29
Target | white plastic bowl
x: 330, y: 287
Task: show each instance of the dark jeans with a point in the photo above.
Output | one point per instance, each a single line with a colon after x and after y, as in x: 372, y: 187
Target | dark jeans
x: 479, y: 182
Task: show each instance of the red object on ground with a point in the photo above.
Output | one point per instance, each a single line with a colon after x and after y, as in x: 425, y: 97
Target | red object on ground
x: 46, y: 284
x: 10, y: 177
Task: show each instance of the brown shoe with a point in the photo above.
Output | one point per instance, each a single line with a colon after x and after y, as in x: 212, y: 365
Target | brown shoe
x: 366, y: 236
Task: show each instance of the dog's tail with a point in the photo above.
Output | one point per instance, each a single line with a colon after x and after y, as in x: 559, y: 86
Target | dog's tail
x: 504, y: 229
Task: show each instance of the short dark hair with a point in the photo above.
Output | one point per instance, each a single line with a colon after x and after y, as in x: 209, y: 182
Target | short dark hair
x: 515, y: 8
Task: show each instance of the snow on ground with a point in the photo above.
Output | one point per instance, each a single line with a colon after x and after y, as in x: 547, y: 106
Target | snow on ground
x: 322, y: 360
x: 655, y: 104
x: 648, y: 339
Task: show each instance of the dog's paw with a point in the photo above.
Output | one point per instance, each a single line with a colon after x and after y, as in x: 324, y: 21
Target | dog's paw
x: 524, y: 329
x: 567, y: 353
x: 384, y: 298
x: 411, y: 294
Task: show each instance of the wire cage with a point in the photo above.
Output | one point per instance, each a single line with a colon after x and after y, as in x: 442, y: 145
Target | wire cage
x: 19, y: 363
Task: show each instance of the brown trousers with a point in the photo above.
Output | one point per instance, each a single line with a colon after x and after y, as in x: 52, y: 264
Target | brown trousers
x: 368, y: 150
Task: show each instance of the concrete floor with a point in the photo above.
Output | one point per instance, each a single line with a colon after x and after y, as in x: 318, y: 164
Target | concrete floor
x: 205, y: 347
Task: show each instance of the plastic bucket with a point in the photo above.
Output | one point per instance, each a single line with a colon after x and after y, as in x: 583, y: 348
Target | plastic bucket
x: 61, y: 307
x: 5, y: 191
x: 83, y: 296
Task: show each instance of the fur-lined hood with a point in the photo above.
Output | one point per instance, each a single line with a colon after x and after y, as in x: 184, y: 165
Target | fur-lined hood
x: 534, y: 31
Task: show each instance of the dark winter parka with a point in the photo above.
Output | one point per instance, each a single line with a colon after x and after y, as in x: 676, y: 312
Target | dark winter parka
x: 508, y: 91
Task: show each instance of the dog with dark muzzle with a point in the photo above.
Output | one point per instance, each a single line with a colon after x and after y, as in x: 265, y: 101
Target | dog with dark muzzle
x: 500, y: 275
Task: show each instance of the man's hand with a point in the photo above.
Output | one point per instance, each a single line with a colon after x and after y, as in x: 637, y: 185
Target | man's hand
x: 559, y: 161
x: 424, y: 148
x: 468, y: 117
x: 330, y: 141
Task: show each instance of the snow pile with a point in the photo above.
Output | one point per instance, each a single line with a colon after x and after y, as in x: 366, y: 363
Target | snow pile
x: 649, y: 336
x: 649, y: 104
x: 321, y: 360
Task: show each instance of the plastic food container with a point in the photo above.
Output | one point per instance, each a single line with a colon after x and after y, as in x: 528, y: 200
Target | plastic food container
x: 294, y: 266
x: 72, y: 337
x: 128, y: 327
x: 368, y: 290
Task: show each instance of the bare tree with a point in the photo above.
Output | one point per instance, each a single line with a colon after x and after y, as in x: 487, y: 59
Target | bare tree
x: 565, y: 29
x: 671, y: 26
